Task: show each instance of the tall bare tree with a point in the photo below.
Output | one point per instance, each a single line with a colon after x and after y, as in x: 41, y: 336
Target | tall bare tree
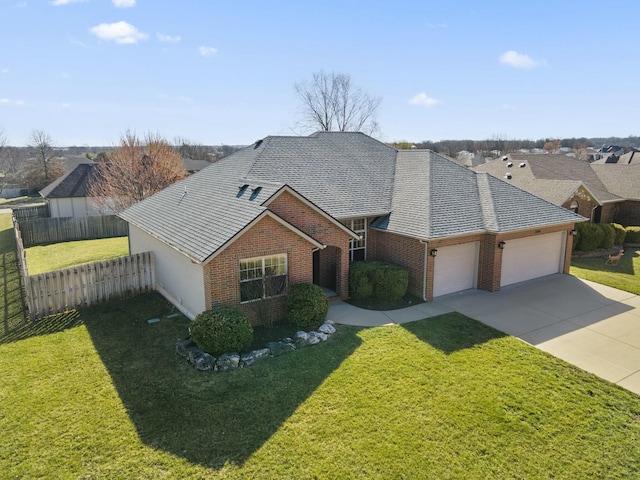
x: 44, y: 164
x: 330, y: 102
x: 135, y: 171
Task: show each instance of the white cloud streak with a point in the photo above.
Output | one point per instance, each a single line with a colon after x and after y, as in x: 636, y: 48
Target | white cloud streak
x: 57, y: 3
x: 424, y: 100
x: 514, y: 59
x: 124, y: 3
x: 168, y: 38
x: 207, y: 51
x: 119, y: 32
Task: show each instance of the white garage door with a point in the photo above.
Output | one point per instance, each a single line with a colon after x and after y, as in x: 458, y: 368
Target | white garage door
x: 532, y: 257
x: 455, y: 268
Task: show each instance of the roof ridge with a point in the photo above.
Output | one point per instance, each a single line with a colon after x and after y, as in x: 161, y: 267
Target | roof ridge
x: 486, y: 202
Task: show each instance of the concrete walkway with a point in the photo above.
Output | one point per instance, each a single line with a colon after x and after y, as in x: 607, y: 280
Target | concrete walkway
x: 592, y: 326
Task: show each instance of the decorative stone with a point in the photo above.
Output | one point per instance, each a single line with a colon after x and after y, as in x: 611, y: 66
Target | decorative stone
x: 250, y: 358
x: 314, y: 338
x: 228, y: 361
x: 330, y: 322
x: 322, y: 336
x: 278, y: 348
x: 301, y: 339
x: 327, y: 328
x: 182, y: 345
x: 205, y: 362
x: 193, y: 353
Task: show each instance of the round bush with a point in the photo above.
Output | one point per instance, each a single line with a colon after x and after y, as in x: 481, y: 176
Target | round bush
x: 621, y: 232
x: 221, y: 330
x: 360, y: 285
x: 591, y: 236
x: 608, y: 235
x: 633, y: 235
x: 307, y: 305
x: 377, y: 279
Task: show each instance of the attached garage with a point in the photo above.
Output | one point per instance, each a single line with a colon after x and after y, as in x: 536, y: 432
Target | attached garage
x: 455, y: 268
x: 532, y: 257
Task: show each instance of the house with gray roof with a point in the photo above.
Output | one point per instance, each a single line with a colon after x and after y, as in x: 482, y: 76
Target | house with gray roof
x: 292, y: 209
x: 604, y: 193
x: 68, y: 195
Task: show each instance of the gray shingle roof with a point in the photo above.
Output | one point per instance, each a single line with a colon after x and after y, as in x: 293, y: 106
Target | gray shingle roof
x: 72, y: 184
x: 621, y: 180
x: 416, y: 193
x: 434, y: 197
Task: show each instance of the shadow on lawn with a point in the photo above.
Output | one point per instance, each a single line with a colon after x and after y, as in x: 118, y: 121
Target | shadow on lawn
x: 207, y: 418
x: 452, y: 332
x: 599, y: 264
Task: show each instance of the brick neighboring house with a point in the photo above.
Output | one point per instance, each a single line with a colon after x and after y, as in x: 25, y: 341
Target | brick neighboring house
x: 604, y: 193
x: 287, y: 210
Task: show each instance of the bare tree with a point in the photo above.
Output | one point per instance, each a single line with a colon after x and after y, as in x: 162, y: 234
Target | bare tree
x: 135, y: 171
x: 193, y: 150
x: 44, y: 164
x: 331, y: 102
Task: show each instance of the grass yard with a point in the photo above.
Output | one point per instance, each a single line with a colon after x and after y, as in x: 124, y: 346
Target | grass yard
x: 625, y: 275
x: 46, y: 258
x: 100, y: 393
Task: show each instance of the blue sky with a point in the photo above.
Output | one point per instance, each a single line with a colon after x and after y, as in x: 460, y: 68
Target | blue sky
x: 221, y: 71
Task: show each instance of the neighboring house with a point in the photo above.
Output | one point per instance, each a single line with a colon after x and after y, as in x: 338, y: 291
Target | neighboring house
x: 573, y: 184
x: 624, y: 181
x: 193, y: 166
x: 289, y: 210
x: 68, y: 195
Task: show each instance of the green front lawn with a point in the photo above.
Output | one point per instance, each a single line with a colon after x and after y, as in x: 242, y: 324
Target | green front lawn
x: 47, y: 258
x: 101, y: 394
x: 625, y: 275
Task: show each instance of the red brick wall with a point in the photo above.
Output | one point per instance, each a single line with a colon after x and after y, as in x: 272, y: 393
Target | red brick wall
x: 608, y: 212
x: 323, y: 230
x: 628, y: 213
x: 267, y: 237
x: 586, y: 203
x: 400, y: 250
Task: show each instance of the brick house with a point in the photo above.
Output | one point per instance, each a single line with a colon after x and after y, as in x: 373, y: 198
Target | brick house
x: 289, y: 210
x: 604, y: 193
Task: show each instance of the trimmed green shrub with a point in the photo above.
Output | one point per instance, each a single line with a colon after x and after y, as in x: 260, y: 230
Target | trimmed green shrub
x: 608, y: 237
x: 633, y: 235
x: 576, y: 239
x: 381, y: 280
x: 360, y: 285
x: 307, y: 305
x: 591, y: 236
x: 221, y: 330
x: 390, y: 281
x: 621, y: 232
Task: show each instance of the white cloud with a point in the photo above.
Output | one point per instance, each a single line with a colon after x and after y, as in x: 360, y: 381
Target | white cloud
x: 57, y: 3
x: 21, y: 4
x: 424, y: 100
x: 4, y: 70
x: 124, y: 3
x: 119, y: 32
x: 207, y: 51
x: 168, y: 38
x: 8, y: 101
x: 514, y: 59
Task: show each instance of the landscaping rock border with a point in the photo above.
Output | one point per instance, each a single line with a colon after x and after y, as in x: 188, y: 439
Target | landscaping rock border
x: 202, y: 361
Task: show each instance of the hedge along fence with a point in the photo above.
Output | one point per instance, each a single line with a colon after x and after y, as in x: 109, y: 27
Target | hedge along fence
x: 40, y: 231
x: 84, y: 285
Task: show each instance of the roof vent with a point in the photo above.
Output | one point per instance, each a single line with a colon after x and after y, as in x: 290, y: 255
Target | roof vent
x: 522, y: 165
x: 255, y: 192
x: 508, y: 176
x: 257, y: 145
x: 510, y: 164
x: 505, y: 158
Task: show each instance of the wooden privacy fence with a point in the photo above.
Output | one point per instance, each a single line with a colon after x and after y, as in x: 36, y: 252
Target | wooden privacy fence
x: 37, y: 211
x: 39, y: 231
x: 62, y: 290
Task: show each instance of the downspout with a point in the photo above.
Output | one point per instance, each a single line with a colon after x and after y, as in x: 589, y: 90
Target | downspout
x: 424, y: 270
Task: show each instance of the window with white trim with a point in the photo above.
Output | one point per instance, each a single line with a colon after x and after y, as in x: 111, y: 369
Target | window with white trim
x: 263, y: 277
x: 357, y: 248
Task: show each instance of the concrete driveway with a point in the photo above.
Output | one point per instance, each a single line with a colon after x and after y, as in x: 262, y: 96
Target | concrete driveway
x: 592, y: 326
